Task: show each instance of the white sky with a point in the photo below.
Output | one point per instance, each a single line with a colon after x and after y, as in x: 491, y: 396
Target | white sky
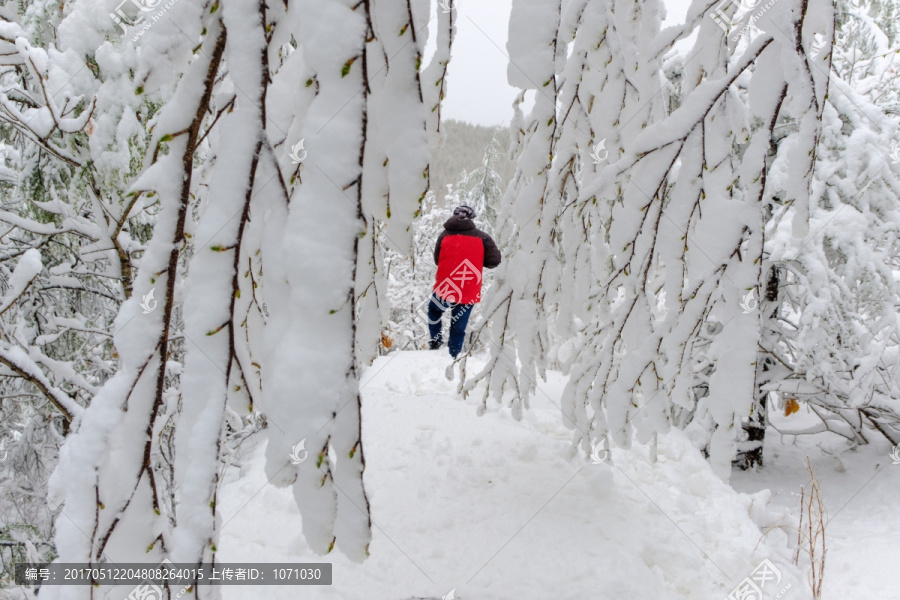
x: 476, y: 78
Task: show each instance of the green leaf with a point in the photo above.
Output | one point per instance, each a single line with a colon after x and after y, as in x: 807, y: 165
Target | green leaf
x: 345, y: 70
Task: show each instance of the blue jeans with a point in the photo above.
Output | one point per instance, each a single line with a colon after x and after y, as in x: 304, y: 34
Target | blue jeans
x: 459, y: 318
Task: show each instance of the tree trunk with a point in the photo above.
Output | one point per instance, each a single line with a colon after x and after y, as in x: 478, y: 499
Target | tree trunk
x: 751, y: 454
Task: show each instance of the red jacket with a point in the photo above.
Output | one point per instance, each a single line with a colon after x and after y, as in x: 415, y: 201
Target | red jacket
x: 461, y: 251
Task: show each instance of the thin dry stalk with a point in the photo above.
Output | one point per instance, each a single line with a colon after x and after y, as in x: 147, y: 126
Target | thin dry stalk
x: 812, y: 536
x: 800, y: 528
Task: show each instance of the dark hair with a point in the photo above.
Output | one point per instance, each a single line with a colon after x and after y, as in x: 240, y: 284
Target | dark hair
x: 465, y: 211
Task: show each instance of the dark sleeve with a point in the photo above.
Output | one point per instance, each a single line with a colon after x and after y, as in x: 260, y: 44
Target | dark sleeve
x: 491, y: 252
x: 437, y: 247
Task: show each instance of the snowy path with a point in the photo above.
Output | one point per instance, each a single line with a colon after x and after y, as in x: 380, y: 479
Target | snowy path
x: 862, y: 498
x: 494, y: 509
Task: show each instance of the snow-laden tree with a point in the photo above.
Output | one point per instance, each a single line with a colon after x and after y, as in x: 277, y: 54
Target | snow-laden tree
x: 868, y: 59
x: 69, y: 242
x: 368, y: 163
x: 685, y: 240
x: 239, y: 160
x: 662, y: 238
x: 881, y: 13
x: 833, y: 331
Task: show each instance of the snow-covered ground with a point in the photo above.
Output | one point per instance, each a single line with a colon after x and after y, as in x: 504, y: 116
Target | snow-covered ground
x: 496, y: 509
x: 861, y: 490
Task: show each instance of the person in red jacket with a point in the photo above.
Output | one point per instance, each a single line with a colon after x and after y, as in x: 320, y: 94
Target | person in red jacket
x: 460, y: 253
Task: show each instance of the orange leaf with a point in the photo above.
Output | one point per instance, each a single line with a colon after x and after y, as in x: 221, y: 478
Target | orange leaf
x: 790, y: 407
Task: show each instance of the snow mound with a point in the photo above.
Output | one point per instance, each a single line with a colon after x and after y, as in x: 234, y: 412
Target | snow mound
x: 498, y: 509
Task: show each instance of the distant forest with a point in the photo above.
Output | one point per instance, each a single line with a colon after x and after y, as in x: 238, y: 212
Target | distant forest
x: 463, y: 151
